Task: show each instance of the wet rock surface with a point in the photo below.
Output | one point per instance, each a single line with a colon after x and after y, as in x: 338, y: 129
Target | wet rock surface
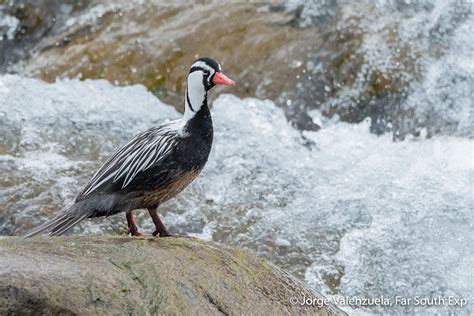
x: 153, y: 44
x: 24, y: 23
x: 113, y: 275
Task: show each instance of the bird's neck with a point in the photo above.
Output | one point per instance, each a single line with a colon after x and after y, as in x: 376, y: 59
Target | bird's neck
x: 195, y: 99
x: 198, y: 125
x: 197, y: 116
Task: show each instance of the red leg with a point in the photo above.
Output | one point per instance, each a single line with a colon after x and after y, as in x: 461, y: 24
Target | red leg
x: 160, y: 227
x: 132, y: 227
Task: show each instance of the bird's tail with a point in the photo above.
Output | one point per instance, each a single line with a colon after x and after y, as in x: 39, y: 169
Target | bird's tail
x: 68, y: 218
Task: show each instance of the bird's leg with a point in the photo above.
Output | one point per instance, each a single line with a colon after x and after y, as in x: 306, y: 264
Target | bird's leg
x: 132, y: 227
x: 160, y: 227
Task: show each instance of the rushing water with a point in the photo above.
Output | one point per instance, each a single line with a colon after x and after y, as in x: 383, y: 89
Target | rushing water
x: 350, y: 212
x: 415, y: 73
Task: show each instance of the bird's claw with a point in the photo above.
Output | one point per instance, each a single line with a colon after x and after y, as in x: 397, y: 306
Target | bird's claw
x: 162, y: 234
x: 133, y: 231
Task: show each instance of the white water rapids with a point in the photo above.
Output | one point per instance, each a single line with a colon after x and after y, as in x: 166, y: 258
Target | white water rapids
x: 350, y: 212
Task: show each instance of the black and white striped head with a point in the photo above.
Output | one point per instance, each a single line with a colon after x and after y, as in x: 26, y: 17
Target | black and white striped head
x: 209, y: 73
x: 204, y: 74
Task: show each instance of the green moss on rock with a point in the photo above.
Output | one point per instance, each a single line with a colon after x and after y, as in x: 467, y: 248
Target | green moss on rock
x: 145, y: 276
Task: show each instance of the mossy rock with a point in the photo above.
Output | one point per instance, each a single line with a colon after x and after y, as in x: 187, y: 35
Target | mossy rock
x: 143, y: 276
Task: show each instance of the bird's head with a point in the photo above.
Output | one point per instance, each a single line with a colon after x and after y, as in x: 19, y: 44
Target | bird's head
x: 204, y: 74
x: 208, y: 73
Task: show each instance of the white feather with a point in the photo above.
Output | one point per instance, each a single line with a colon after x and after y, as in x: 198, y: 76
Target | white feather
x: 136, y: 156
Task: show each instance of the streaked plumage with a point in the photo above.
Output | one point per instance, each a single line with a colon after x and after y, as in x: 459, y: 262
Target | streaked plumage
x: 152, y: 167
x: 145, y: 150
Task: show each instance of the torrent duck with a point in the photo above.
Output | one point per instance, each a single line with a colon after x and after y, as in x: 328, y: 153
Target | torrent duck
x: 154, y: 166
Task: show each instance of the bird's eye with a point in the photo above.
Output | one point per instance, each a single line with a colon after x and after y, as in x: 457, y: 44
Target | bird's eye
x: 206, y: 72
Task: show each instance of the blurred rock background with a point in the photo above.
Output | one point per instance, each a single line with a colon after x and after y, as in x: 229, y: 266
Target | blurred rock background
x: 350, y: 60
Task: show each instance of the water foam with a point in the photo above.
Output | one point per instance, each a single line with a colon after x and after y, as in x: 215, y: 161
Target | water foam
x: 350, y: 212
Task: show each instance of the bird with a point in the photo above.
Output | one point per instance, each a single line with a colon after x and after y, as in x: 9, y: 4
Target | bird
x: 151, y: 168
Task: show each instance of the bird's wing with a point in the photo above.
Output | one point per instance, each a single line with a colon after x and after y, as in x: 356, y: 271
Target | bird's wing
x: 145, y: 150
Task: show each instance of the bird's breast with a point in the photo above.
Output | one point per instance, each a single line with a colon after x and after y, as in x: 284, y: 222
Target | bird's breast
x: 193, y: 152
x: 169, y: 190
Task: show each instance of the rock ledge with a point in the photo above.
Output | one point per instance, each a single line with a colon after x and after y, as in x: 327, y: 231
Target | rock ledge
x: 145, y: 276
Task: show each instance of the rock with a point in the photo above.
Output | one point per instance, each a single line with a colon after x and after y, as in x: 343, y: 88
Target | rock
x: 333, y: 63
x: 143, y: 276
x: 153, y: 44
x: 25, y: 23
x: 263, y: 47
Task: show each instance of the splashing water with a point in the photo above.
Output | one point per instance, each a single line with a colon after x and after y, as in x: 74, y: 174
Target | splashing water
x: 352, y: 213
x: 410, y: 64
